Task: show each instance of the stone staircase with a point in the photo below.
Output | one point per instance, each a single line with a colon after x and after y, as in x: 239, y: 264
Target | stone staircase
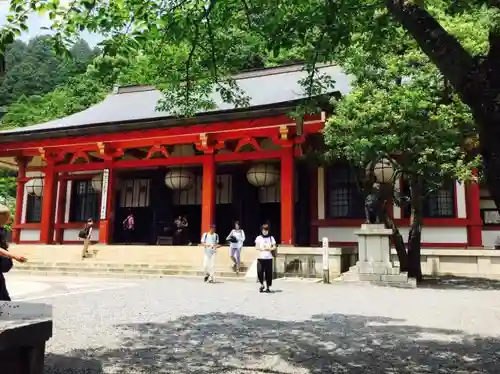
x: 119, y: 270
x: 122, y: 261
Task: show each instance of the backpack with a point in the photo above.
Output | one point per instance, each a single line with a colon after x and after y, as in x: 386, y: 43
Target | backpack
x: 84, y: 233
x: 5, y: 262
x: 205, y: 237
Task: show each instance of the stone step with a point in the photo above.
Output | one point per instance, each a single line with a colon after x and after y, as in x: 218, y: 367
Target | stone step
x: 55, y: 272
x: 118, y: 272
x: 109, y: 265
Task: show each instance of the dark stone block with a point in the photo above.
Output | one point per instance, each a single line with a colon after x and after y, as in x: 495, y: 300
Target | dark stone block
x: 24, y: 330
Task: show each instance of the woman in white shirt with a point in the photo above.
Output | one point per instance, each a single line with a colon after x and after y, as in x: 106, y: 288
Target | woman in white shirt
x: 236, y: 238
x: 265, y: 244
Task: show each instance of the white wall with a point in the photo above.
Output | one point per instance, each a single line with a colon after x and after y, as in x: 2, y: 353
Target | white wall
x: 29, y: 235
x: 71, y: 235
x: 489, y: 237
x: 429, y: 234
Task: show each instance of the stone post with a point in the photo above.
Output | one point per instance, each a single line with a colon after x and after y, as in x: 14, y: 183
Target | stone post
x: 374, y: 264
x: 24, y: 330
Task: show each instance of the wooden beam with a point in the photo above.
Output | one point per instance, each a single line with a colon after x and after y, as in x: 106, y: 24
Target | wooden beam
x: 149, y: 137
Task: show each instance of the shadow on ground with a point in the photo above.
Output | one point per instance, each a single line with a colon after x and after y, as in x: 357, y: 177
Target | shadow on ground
x: 233, y: 343
x: 461, y: 283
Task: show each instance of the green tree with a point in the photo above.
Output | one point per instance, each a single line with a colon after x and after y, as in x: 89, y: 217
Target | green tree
x: 319, y: 28
x: 402, y: 109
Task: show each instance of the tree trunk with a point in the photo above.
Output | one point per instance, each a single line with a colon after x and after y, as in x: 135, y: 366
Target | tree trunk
x: 399, y: 243
x: 489, y: 143
x: 476, y: 79
x: 415, y: 235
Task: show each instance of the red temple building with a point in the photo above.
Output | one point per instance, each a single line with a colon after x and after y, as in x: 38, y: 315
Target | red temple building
x: 246, y: 164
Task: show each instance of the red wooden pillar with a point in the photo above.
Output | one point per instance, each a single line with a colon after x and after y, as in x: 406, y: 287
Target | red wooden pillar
x: 61, y: 209
x: 21, y: 181
x: 107, y: 204
x: 48, y: 206
x: 475, y: 225
x: 208, y: 193
x: 287, y: 196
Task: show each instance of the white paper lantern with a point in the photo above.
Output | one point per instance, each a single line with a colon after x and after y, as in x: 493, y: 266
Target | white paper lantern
x: 35, y: 186
x: 262, y: 175
x: 179, y: 179
x: 97, y: 182
x: 382, y: 170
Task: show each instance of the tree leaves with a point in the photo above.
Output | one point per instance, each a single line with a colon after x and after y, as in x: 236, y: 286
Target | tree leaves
x: 402, y: 108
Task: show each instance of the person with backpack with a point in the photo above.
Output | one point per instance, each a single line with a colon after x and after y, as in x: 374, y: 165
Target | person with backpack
x: 6, y: 258
x: 210, y: 242
x: 236, y: 238
x: 86, y: 235
x: 129, y: 227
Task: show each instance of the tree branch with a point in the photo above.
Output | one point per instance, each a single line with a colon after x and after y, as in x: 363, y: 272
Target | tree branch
x: 444, y: 50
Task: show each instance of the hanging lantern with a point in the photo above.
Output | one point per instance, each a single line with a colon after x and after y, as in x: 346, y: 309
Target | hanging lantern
x: 383, y: 171
x: 262, y: 175
x: 179, y: 179
x: 35, y: 186
x: 97, y: 182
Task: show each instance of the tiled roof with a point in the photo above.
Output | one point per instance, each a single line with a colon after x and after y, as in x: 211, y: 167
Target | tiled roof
x: 138, y: 103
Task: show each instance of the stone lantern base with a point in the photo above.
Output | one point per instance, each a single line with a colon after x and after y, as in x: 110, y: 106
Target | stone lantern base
x: 374, y: 264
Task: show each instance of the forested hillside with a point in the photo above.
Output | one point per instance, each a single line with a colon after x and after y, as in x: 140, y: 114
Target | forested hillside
x: 34, y: 72
x: 87, y: 78
x: 34, y: 68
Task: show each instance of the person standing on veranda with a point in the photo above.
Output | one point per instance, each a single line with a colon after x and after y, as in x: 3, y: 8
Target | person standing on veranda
x: 236, y: 238
x: 265, y: 244
x: 210, y: 242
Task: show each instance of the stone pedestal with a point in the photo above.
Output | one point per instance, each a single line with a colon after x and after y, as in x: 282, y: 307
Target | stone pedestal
x: 374, y: 264
x: 24, y: 330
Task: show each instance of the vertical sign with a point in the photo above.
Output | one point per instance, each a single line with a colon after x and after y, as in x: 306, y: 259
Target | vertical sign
x: 326, y: 262
x: 104, y: 193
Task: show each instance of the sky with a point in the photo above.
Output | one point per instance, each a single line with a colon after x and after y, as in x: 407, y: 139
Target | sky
x: 35, y: 24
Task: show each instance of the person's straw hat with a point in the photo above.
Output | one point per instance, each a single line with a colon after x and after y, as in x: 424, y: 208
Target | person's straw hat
x: 4, y: 209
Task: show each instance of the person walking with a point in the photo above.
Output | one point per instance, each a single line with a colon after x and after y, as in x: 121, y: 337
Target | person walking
x: 178, y: 238
x: 129, y: 227
x: 5, y: 256
x: 236, y: 238
x: 185, y: 232
x: 210, y: 242
x: 265, y: 244
x: 86, y: 235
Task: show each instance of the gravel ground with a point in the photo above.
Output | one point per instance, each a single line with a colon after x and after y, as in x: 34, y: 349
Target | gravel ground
x: 185, y: 326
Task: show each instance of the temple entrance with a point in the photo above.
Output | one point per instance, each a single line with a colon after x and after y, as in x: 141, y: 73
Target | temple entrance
x: 133, y: 196
x: 156, y: 206
x: 251, y: 205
